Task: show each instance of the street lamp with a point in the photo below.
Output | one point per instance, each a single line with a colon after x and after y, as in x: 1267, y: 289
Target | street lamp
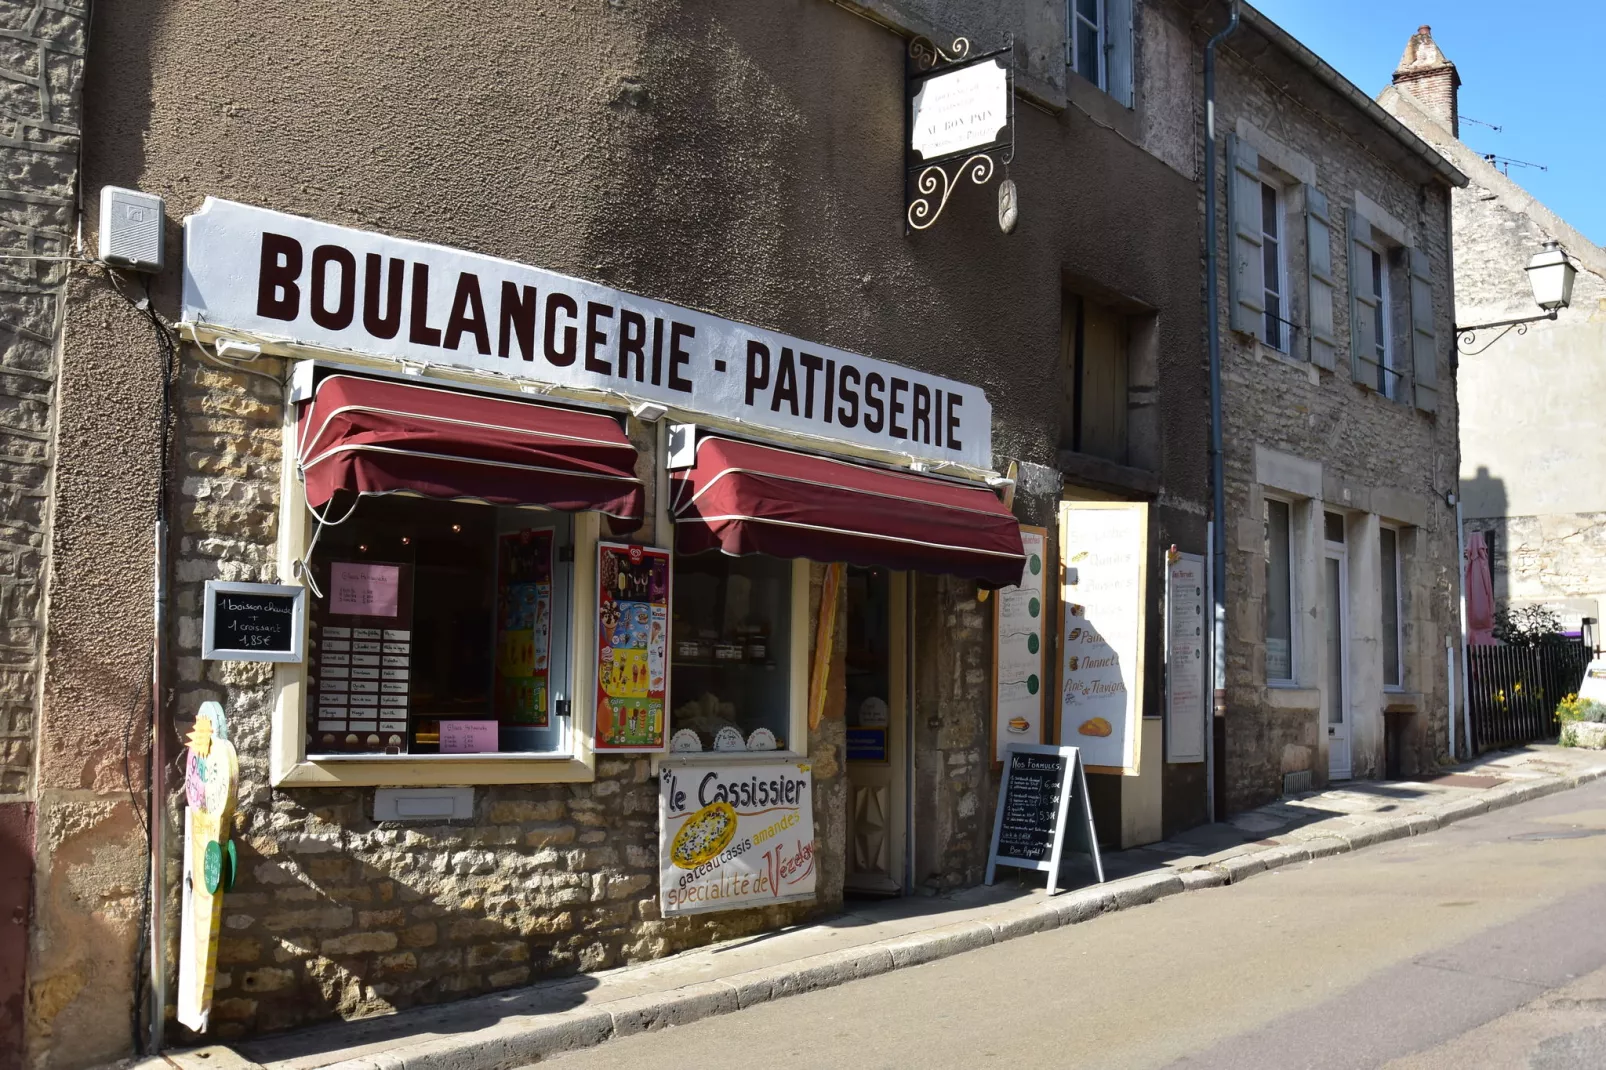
x: 1550, y: 276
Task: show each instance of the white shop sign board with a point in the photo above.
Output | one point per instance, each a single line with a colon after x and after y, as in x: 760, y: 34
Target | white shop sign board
x: 733, y: 835
x: 286, y: 279
x: 1185, y: 705
x: 960, y: 110
x: 1020, y: 616
x: 1043, y: 806
x: 1594, y: 682
x: 1103, y: 572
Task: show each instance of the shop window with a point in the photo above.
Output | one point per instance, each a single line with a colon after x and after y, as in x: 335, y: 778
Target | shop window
x: 1096, y: 373
x: 439, y: 628
x: 1393, y: 665
x: 1279, y: 592
x: 734, y: 673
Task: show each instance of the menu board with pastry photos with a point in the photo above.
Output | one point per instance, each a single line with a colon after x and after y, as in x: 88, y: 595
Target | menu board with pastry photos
x: 632, y: 647
x: 360, y: 659
x: 1103, y: 568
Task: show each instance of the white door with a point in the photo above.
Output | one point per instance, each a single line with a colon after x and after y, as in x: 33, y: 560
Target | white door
x: 877, y: 754
x: 1335, y: 658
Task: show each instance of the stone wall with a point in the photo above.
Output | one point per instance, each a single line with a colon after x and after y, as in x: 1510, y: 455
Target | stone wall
x: 41, y: 74
x: 1365, y: 455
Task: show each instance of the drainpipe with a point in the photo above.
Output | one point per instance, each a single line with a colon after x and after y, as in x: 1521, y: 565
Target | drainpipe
x: 1218, y: 493
x: 158, y: 804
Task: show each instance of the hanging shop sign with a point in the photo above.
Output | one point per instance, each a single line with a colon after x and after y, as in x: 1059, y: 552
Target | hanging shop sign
x: 734, y: 835
x: 1103, y: 567
x: 1185, y: 705
x: 211, y: 789
x: 961, y: 119
x: 1042, y: 806
x: 632, y: 647
x: 285, y: 278
x: 253, y: 621
x: 1019, y: 614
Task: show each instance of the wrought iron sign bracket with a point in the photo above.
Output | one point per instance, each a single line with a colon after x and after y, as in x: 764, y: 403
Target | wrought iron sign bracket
x: 931, y: 179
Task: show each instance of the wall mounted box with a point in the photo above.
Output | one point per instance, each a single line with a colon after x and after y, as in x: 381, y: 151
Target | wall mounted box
x: 131, y: 229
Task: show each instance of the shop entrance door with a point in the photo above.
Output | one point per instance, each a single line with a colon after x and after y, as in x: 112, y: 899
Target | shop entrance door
x: 878, y: 773
x: 1335, y: 692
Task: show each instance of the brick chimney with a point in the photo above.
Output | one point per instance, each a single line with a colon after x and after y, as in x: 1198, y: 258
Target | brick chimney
x: 1430, y: 78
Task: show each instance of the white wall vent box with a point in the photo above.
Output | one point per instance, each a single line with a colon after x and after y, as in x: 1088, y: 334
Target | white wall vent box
x: 423, y: 804
x: 130, y: 228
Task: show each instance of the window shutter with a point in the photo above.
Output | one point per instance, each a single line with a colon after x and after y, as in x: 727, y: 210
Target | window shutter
x: 1320, y: 284
x: 1424, y: 339
x: 1246, y: 273
x: 1362, y: 303
x: 1118, y: 46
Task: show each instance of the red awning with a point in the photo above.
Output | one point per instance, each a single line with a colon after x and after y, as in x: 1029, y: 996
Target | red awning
x: 376, y: 436
x: 744, y: 498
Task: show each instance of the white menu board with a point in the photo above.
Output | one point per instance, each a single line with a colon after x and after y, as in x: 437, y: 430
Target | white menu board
x: 1019, y: 614
x: 1184, y: 657
x: 1103, y: 566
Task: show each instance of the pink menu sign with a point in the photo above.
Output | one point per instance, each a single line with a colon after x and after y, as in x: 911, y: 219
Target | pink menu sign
x: 364, y: 590
x: 468, y: 737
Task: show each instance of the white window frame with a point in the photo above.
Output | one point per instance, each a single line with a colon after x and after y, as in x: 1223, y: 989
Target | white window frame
x: 1101, y: 33
x: 1292, y: 679
x: 1284, y: 321
x: 288, y: 762
x: 1399, y: 605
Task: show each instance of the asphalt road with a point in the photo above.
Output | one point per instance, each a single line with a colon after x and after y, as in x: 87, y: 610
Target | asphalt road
x: 1483, y: 945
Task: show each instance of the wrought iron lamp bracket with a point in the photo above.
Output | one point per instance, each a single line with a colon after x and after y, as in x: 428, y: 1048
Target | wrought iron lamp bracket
x: 1466, y: 336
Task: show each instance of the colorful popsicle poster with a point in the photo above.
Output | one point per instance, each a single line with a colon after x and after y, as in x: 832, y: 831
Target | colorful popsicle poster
x: 523, y: 626
x: 632, y: 647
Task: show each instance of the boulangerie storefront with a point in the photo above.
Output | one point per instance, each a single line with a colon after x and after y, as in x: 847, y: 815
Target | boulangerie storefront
x: 566, y: 696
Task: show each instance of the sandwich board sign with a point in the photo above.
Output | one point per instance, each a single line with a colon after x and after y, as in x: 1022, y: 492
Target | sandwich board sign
x: 1034, y: 819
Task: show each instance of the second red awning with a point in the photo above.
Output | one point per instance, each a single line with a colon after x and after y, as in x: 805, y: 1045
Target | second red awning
x: 745, y: 498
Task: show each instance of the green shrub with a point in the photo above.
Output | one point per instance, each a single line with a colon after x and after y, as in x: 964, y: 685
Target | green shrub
x: 1572, y: 708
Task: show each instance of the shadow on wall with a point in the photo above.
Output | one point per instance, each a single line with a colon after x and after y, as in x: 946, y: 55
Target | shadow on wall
x: 1483, y: 508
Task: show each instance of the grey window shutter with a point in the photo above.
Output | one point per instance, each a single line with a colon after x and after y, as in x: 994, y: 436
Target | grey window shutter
x: 1362, y: 302
x: 1320, y: 284
x: 1118, y: 49
x: 1424, y: 338
x: 1246, y: 271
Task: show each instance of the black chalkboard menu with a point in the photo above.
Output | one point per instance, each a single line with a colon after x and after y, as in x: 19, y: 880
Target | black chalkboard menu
x: 1031, y: 807
x: 252, y: 622
x: 1034, y: 808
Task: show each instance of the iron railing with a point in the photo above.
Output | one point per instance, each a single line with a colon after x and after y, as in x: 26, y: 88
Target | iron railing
x: 1513, y: 690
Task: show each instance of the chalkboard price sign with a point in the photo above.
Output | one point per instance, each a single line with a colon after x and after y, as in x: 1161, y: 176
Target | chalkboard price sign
x: 253, y: 622
x: 1034, y: 806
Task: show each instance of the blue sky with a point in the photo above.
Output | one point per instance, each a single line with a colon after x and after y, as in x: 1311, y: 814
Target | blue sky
x: 1537, y: 70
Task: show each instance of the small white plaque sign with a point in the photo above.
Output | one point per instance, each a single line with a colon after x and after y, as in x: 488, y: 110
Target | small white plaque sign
x: 960, y: 109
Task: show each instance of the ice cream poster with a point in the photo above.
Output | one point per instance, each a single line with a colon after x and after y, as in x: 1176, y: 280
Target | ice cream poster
x: 523, y: 626
x: 632, y: 647
x: 1103, y: 555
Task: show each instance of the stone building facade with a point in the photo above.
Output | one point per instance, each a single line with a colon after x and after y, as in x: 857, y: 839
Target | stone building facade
x: 682, y: 153
x: 1529, y: 439
x: 1341, y: 447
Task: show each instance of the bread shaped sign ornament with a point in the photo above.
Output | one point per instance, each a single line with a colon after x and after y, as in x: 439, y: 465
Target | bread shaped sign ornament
x: 211, y: 789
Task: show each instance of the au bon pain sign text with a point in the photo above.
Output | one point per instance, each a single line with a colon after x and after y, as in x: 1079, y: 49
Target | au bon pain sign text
x: 283, y: 277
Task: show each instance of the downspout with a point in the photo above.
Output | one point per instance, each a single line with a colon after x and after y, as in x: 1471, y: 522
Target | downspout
x: 1218, y: 493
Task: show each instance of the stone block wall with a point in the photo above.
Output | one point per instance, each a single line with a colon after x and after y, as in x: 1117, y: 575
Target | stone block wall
x: 1373, y: 455
x: 41, y: 74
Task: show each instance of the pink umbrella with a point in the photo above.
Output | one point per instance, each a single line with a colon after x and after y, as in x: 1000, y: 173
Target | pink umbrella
x: 1480, y: 592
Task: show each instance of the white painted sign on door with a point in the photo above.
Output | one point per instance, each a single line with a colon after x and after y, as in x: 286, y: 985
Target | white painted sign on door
x: 1184, y: 658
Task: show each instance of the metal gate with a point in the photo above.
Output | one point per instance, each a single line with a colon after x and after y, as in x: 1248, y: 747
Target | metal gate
x: 1513, y: 690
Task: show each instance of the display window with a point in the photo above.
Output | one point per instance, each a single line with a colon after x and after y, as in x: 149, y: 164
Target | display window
x: 736, y: 636
x: 439, y: 628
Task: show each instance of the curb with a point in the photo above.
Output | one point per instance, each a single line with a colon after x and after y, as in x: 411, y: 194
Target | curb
x: 520, y: 1040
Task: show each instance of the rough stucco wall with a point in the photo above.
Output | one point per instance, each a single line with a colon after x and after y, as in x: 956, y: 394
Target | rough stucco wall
x: 1377, y: 451
x: 679, y: 151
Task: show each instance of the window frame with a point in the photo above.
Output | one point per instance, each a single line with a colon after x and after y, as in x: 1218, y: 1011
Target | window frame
x: 1399, y: 608
x: 1388, y: 375
x: 288, y: 762
x: 1101, y: 34
x: 1279, y: 239
x: 1292, y: 679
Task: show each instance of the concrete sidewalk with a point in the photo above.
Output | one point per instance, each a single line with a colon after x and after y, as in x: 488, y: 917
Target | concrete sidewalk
x: 521, y: 1026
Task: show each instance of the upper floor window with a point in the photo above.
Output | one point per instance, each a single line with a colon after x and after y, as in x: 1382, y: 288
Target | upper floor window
x: 1393, y: 331
x: 1099, y: 44
x: 1274, y: 265
x: 1096, y: 374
